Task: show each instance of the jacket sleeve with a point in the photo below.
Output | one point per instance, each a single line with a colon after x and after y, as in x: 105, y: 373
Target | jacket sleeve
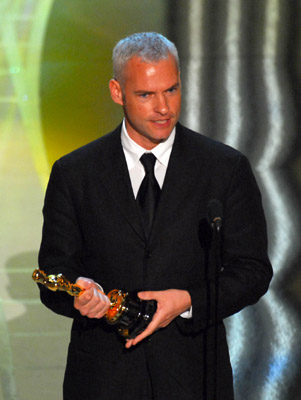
x: 246, y: 270
x: 61, y: 246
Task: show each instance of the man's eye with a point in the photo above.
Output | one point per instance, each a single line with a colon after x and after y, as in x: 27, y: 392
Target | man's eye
x: 143, y: 95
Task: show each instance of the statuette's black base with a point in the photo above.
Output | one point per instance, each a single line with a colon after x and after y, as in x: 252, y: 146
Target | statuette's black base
x: 136, y: 314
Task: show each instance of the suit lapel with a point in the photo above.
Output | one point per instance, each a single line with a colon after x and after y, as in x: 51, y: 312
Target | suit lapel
x: 115, y: 177
x: 180, y: 180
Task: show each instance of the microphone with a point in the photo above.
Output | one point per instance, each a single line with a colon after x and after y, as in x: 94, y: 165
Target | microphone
x: 215, y: 213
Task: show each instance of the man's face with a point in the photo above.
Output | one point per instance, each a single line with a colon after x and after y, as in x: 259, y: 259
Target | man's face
x: 151, y: 99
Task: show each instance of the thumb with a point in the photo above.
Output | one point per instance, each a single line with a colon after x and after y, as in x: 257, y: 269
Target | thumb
x: 84, y: 283
x: 148, y: 295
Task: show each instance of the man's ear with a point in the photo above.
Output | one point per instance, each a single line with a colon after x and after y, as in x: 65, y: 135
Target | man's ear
x: 116, y: 92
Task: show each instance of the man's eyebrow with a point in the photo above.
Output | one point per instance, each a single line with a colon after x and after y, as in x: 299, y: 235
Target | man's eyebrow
x: 143, y: 91
x: 175, y: 86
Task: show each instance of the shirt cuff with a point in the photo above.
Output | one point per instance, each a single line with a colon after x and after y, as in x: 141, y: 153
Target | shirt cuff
x: 187, y: 314
x: 99, y: 287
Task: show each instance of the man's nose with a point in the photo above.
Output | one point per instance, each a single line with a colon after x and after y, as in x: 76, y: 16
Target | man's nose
x: 161, y: 105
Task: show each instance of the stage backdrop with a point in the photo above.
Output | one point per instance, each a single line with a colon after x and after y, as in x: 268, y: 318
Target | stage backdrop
x: 240, y: 68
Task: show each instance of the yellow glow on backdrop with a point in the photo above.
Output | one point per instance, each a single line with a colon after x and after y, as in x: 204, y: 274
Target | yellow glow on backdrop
x: 55, y: 63
x: 22, y: 28
x: 76, y: 67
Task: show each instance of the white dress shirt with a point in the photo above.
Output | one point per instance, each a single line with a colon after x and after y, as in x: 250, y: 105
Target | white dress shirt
x: 133, y: 152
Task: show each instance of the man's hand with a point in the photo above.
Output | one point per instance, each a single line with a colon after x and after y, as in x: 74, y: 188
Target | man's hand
x: 170, y: 304
x: 92, y: 303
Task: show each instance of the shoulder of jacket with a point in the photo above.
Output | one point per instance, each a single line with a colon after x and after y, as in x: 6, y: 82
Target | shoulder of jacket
x: 93, y: 149
x: 204, y: 145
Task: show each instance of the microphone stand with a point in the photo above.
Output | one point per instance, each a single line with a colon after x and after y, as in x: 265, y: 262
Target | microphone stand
x: 217, y: 244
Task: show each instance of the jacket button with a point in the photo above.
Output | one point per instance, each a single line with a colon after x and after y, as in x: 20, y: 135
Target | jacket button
x: 148, y: 254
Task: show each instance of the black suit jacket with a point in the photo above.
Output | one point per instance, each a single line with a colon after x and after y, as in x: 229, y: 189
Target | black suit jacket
x: 92, y: 228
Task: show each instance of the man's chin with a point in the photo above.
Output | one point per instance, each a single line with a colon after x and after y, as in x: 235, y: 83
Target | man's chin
x: 160, y: 139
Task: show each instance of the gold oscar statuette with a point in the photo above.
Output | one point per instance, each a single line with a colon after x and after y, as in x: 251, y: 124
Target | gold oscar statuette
x: 127, y: 311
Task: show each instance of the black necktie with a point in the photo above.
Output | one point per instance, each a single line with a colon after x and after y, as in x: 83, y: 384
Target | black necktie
x: 149, y: 192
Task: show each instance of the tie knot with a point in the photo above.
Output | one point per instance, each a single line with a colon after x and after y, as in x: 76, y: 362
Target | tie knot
x: 148, y: 161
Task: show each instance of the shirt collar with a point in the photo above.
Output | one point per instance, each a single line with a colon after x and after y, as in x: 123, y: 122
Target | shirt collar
x: 133, y: 151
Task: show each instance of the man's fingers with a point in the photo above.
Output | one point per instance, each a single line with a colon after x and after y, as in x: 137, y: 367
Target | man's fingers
x: 147, y: 332
x: 92, y: 303
x: 129, y: 343
x: 170, y: 304
x: 150, y: 329
x: 84, y: 298
x: 99, y: 310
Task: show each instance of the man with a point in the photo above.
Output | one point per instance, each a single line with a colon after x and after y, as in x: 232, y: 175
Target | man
x: 94, y: 232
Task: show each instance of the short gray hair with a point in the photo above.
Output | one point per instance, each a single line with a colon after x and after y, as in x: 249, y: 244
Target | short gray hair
x: 149, y: 46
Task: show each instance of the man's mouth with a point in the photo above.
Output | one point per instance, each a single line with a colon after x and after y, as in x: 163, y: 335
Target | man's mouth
x: 161, y: 121
x: 165, y: 121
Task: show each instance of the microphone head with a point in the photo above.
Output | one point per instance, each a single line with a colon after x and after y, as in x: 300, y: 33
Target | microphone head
x: 215, y: 210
